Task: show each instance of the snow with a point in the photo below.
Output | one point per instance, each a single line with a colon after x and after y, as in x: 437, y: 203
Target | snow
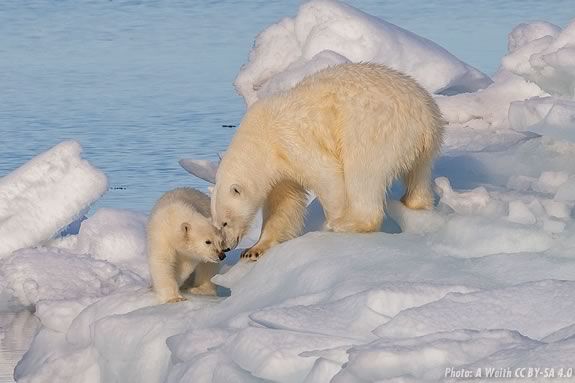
x: 484, y: 280
x: 545, y: 55
x: 114, y: 235
x: 469, y: 202
x: 33, y: 275
x: 42, y: 197
x: 549, y: 182
x: 533, y: 93
x: 321, y: 300
x: 426, y: 357
x: 566, y: 192
x: 548, y: 116
x: 525, y: 33
x: 547, y: 60
x: 327, y: 32
x: 490, y: 310
x: 487, y: 108
x: 520, y: 213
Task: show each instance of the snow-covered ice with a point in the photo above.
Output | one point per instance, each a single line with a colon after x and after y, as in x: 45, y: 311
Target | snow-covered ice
x: 113, y: 235
x: 322, y: 300
x: 327, y: 32
x: 43, y: 196
x: 425, y: 358
x: 203, y: 169
x: 33, y: 275
x: 545, y: 55
x: 484, y: 280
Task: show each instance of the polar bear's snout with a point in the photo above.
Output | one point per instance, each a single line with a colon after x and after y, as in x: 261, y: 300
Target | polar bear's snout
x: 222, y: 256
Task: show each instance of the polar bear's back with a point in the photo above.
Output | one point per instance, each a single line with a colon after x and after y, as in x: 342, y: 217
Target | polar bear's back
x: 372, y: 90
x: 341, y: 95
x: 367, y: 78
x: 351, y: 106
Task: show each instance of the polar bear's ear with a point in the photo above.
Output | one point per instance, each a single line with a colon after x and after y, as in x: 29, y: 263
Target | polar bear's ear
x: 186, y: 228
x: 236, y: 190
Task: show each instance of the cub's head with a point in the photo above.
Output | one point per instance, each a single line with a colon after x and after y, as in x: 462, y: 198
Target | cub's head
x: 201, y: 241
x: 233, y: 210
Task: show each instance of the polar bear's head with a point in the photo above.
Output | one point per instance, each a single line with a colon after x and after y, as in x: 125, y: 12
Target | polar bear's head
x: 233, y: 209
x: 201, y: 241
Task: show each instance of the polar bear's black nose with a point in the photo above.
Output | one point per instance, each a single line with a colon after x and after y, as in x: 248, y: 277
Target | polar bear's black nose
x: 221, y: 256
x: 226, y: 250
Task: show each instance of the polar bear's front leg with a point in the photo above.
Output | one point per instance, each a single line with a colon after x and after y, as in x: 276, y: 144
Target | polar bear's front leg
x: 284, y: 212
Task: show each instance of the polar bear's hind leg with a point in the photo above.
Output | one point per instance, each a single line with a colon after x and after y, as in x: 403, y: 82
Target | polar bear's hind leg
x: 366, y: 187
x: 418, y: 194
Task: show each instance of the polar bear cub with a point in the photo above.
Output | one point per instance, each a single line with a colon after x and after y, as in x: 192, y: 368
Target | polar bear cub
x: 182, y: 240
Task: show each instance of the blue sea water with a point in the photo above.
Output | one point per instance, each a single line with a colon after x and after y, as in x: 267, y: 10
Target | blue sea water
x: 141, y: 84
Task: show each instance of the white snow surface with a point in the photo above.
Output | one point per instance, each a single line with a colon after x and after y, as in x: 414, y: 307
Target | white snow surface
x: 203, y: 169
x: 328, y: 32
x: 43, y: 196
x: 113, y: 235
x: 532, y: 93
x: 546, y: 58
x: 484, y: 280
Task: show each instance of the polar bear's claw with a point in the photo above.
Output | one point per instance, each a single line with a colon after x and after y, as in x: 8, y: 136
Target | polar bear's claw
x: 176, y: 300
x: 251, y: 254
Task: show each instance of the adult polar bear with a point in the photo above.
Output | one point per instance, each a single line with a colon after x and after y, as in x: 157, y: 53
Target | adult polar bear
x: 345, y: 133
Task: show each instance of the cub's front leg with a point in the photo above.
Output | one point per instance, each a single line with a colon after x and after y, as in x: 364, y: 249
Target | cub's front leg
x: 202, y: 279
x: 164, y: 278
x: 284, y: 212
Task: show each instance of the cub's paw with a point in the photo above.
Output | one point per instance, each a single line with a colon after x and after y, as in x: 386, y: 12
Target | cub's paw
x: 176, y: 299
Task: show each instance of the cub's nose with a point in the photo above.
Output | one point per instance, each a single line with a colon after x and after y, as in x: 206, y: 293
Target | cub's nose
x: 226, y: 250
x: 222, y: 256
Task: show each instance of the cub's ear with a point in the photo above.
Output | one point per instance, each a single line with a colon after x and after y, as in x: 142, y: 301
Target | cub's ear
x: 236, y: 190
x: 186, y: 228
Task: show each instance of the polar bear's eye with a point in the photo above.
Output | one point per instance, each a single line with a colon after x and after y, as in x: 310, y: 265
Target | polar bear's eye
x: 208, y: 242
x: 225, y: 224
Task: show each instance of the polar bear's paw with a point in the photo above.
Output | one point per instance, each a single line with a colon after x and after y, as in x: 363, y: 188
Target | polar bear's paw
x: 254, y: 252
x: 418, y: 202
x: 176, y: 299
x: 349, y: 224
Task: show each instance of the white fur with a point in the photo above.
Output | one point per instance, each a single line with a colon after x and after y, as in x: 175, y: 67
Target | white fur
x: 345, y: 133
x: 178, y: 228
